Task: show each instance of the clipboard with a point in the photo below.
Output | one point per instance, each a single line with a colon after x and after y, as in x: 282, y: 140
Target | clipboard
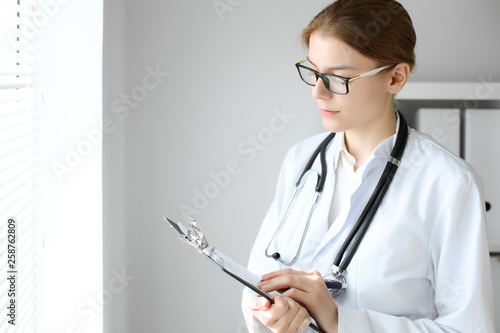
x: 195, y: 237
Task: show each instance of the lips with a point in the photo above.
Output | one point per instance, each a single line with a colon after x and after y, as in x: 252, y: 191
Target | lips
x: 328, y: 113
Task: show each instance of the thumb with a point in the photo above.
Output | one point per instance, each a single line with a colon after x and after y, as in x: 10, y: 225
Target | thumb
x: 263, y: 303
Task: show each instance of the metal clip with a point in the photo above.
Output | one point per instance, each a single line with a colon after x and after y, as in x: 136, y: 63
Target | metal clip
x: 336, y: 270
x: 193, y: 236
x: 197, y: 235
x: 394, y: 161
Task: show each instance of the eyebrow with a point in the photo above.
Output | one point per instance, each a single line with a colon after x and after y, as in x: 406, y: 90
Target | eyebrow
x: 333, y: 68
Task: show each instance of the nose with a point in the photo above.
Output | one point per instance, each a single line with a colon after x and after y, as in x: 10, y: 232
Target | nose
x: 319, y: 90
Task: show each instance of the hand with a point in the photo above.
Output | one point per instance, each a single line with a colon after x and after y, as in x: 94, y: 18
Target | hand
x: 308, y: 289
x: 284, y: 316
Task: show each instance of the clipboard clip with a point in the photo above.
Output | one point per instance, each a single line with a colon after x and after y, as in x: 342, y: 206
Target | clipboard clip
x: 192, y: 235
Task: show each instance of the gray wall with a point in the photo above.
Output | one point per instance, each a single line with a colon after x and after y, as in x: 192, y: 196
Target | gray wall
x: 225, y: 99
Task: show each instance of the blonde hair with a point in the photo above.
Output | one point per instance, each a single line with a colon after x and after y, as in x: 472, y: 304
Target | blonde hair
x: 379, y: 29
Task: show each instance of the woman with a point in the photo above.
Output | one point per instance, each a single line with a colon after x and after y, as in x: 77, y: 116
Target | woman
x: 422, y: 264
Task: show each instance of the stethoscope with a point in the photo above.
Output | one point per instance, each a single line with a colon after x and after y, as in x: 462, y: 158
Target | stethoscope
x: 357, y: 233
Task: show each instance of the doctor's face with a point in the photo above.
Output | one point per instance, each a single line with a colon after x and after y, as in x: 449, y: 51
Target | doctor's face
x: 368, y: 97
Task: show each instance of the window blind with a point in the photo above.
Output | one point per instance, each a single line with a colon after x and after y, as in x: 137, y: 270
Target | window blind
x: 19, y: 166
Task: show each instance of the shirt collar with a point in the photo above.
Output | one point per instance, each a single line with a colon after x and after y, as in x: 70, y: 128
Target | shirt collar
x: 342, y: 152
x: 382, y: 150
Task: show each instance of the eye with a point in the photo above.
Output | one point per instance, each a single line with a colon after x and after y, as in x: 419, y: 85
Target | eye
x: 335, y: 80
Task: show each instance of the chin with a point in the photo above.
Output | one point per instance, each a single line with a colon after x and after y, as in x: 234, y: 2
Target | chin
x: 332, y: 126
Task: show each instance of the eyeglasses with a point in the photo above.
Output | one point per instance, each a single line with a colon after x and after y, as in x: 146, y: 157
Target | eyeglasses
x: 335, y: 83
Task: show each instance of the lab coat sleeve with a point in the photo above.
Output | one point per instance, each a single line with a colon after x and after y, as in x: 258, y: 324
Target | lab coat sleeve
x: 459, y: 271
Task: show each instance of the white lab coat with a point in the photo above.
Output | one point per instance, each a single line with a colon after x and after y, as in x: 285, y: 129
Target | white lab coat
x: 423, y: 265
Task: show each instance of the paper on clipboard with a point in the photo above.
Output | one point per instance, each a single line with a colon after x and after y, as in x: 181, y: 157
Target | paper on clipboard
x: 195, y: 237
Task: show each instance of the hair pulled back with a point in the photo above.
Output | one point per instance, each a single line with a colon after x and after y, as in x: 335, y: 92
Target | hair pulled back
x: 379, y: 29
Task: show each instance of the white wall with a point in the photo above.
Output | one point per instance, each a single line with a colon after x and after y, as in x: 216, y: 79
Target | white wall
x: 229, y: 76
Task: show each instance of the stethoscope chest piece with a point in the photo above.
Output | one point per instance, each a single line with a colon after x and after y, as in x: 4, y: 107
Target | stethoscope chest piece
x: 338, y: 277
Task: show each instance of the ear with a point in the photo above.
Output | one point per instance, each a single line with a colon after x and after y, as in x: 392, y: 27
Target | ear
x: 399, y: 77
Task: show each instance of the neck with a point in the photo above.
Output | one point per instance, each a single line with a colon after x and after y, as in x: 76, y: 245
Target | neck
x: 361, y: 141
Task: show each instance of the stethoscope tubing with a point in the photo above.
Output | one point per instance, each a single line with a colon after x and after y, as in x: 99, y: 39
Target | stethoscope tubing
x: 359, y: 230
x: 321, y: 149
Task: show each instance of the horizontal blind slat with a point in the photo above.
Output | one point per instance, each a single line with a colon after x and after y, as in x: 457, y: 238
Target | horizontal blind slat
x: 20, y: 170
x: 8, y: 13
x: 15, y: 69
x: 16, y: 41
x: 28, y: 213
x: 11, y: 55
x: 7, y: 165
x: 11, y: 81
x: 7, y: 196
x: 23, y: 150
x: 13, y: 108
x: 13, y: 116
x: 15, y: 126
x: 19, y: 200
x: 9, y: 4
x: 26, y: 136
x: 16, y: 94
x: 24, y: 5
x: 9, y: 26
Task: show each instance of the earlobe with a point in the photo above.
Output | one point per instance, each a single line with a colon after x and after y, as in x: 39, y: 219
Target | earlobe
x: 399, y: 77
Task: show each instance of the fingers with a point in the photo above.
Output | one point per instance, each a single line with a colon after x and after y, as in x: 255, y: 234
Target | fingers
x: 263, y: 303
x: 307, y: 289
x: 256, y: 302
x: 307, y: 281
x: 285, y: 316
x: 300, y: 321
x: 287, y: 271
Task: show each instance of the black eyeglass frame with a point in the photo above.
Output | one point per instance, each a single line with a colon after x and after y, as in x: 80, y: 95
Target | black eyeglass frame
x: 327, y: 82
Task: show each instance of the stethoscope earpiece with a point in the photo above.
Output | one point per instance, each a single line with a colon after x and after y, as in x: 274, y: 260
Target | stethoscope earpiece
x: 276, y: 255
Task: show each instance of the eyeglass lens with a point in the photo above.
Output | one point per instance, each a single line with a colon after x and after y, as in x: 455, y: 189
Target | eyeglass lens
x: 332, y: 82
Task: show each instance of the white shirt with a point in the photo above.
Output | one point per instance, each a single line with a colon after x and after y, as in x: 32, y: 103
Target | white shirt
x: 347, y: 181
x: 423, y: 265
